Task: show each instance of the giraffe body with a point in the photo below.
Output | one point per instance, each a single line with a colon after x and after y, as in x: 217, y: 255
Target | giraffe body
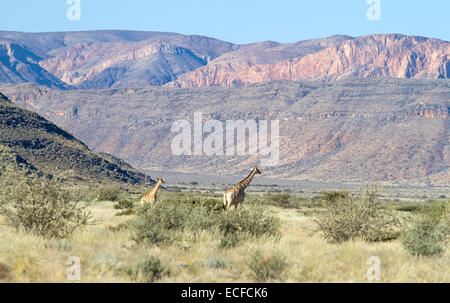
x: 150, y: 197
x: 236, y: 194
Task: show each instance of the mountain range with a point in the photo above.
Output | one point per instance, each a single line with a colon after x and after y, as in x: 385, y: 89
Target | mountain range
x: 118, y: 59
x: 373, y: 108
x: 347, y: 130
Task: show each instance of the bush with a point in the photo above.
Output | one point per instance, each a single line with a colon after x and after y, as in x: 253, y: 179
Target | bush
x: 147, y: 271
x: 407, y: 208
x: 126, y: 206
x: 244, y: 223
x: 361, y: 217
x: 267, y: 267
x: 429, y: 232
x: 171, y: 221
x: 39, y: 205
x: 126, y: 212
x: 435, y: 209
x: 282, y: 199
x: 108, y: 193
x: 333, y: 196
x: 424, y: 238
x: 166, y: 222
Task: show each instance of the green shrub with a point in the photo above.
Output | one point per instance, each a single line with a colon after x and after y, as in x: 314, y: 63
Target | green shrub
x: 147, y: 271
x: 190, y: 199
x: 231, y: 237
x: 39, y: 205
x: 126, y: 206
x: 282, y: 199
x: 426, y: 237
x: 361, y: 217
x: 171, y: 221
x: 166, y: 222
x: 407, y: 208
x: 126, y: 212
x: 430, y: 231
x: 108, y: 193
x: 267, y: 267
x: 247, y: 222
x: 435, y: 209
x: 333, y: 196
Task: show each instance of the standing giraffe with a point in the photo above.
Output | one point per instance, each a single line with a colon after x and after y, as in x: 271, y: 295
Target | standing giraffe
x: 150, y: 197
x: 236, y: 194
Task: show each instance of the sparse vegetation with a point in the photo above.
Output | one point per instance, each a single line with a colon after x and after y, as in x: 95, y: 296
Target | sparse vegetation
x: 281, y: 199
x: 334, y: 196
x: 38, y: 205
x: 430, y: 231
x: 188, y: 238
x: 244, y: 223
x: 126, y: 207
x: 426, y: 237
x: 148, y: 270
x: 173, y: 221
x: 266, y: 267
x: 359, y: 217
x: 216, y: 262
x: 108, y: 193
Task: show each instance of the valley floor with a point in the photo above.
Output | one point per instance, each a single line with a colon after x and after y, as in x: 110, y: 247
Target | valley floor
x: 106, y: 253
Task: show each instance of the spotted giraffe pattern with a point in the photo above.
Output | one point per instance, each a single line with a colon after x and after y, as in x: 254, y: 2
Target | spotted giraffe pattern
x: 150, y: 197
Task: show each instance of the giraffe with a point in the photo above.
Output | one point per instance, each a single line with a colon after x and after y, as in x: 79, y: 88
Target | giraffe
x: 236, y: 194
x: 150, y: 197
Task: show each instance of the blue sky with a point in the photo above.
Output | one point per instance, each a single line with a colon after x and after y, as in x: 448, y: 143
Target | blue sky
x: 238, y: 21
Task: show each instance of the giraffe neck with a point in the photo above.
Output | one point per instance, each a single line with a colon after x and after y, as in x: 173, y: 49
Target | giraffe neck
x: 155, y: 188
x: 244, y: 183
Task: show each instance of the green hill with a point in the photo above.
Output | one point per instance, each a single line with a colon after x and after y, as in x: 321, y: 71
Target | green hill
x: 27, y: 138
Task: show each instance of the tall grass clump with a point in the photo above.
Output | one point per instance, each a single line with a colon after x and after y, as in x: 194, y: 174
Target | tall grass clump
x: 358, y: 217
x: 39, y: 205
x: 429, y: 232
x: 266, y: 267
x: 148, y: 270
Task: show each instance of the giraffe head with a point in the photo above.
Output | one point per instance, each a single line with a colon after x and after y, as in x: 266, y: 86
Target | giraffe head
x: 257, y: 171
x: 160, y: 180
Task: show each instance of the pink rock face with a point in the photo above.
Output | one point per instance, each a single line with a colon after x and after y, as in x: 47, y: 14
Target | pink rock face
x: 391, y: 55
x: 84, y: 61
x: 127, y: 59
